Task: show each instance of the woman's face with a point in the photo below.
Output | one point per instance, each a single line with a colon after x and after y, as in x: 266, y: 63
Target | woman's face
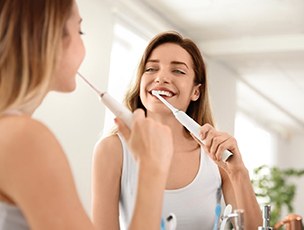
x: 72, y: 55
x: 168, y: 70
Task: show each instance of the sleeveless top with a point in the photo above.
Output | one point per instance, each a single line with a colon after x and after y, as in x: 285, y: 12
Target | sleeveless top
x: 11, y: 218
x: 193, y: 205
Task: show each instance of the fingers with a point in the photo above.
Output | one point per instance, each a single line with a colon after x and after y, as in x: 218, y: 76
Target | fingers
x: 197, y: 140
x: 138, y: 114
x: 122, y: 128
x: 219, y: 143
x: 150, y: 141
x: 206, y: 128
x: 216, y: 142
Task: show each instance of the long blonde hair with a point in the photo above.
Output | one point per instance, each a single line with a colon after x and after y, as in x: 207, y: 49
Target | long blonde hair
x: 199, y: 110
x: 31, y: 33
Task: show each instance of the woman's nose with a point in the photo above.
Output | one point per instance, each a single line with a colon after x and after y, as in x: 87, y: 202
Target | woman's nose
x: 162, y: 77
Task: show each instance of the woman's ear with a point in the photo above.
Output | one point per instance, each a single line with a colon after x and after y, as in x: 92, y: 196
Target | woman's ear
x: 196, y: 92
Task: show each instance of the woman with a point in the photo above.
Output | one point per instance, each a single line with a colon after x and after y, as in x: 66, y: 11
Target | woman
x: 174, y: 67
x: 41, y: 50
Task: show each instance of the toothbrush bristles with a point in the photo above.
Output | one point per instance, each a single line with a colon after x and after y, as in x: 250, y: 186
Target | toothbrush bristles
x: 92, y: 86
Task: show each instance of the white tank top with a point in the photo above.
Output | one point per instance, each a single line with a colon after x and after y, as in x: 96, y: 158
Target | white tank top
x: 11, y: 218
x: 193, y: 205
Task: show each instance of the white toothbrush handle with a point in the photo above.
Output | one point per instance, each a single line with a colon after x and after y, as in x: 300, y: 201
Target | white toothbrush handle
x: 171, y: 222
x: 117, y: 109
x: 223, y: 224
x: 194, y: 128
x: 226, y: 213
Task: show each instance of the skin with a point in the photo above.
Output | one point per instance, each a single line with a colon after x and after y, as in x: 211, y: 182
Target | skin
x: 71, y: 57
x: 170, y: 69
x: 35, y: 173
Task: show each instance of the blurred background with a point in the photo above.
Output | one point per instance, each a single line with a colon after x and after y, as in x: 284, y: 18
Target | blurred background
x: 254, y: 52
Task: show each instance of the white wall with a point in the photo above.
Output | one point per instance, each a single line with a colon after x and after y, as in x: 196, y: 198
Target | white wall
x: 291, y: 155
x: 77, y: 118
x: 222, y: 85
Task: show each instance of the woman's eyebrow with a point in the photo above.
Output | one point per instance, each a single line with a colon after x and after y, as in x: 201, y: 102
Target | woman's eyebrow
x: 179, y: 63
x: 153, y: 60
x: 173, y: 62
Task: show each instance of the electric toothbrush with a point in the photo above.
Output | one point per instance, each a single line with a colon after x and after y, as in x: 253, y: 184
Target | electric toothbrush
x: 226, y: 214
x: 191, y: 125
x: 114, y: 106
x: 218, y: 208
x: 118, y: 109
x: 171, y: 221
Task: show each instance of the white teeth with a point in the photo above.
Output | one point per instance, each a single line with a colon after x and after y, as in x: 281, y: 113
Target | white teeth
x: 162, y: 92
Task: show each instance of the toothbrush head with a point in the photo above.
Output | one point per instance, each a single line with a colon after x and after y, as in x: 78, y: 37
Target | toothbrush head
x: 155, y: 93
x: 171, y: 107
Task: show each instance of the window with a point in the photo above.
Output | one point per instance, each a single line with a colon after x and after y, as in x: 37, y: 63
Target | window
x: 126, y: 53
x: 255, y: 143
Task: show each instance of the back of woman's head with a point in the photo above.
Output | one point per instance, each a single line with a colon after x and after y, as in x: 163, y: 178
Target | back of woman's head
x: 31, y: 33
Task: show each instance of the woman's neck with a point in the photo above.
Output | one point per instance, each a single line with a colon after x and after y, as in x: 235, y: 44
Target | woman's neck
x: 13, y: 112
x: 181, y: 138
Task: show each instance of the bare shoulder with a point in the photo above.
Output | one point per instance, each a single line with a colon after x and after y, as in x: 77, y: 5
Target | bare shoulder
x: 109, y: 142
x: 35, y: 175
x: 110, y: 145
x: 27, y: 148
x: 21, y: 134
x: 108, y: 151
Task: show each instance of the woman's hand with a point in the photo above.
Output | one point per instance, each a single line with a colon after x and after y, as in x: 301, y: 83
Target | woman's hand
x: 150, y: 141
x: 236, y: 184
x: 216, y: 143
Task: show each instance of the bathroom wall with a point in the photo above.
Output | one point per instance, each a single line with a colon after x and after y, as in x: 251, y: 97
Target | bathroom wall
x: 222, y: 85
x: 290, y: 154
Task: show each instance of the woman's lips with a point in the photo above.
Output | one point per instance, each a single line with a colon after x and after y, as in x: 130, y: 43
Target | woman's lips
x: 163, y: 92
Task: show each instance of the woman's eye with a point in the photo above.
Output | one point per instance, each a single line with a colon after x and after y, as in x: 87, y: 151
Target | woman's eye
x: 80, y: 32
x: 149, y: 69
x: 179, y: 71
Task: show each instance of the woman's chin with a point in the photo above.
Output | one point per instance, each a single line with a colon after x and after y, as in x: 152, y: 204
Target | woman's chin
x: 65, y: 88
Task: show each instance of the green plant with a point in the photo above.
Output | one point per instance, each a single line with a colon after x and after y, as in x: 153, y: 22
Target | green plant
x: 274, y: 187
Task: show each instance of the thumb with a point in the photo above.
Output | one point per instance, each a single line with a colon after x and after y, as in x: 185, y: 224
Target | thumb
x: 139, y: 114
x: 123, y: 128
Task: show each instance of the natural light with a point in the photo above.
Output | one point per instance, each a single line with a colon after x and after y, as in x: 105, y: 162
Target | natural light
x: 126, y: 53
x: 255, y: 143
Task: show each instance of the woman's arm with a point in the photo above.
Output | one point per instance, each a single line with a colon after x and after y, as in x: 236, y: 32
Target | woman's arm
x: 107, y: 166
x: 152, y: 146
x: 238, y: 192
x: 237, y: 187
x: 35, y: 175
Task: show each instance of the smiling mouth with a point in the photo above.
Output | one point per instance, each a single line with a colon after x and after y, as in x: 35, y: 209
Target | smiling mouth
x: 163, y: 93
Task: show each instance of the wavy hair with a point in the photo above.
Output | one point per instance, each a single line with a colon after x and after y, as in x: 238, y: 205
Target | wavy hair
x: 31, y: 33
x: 199, y: 110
